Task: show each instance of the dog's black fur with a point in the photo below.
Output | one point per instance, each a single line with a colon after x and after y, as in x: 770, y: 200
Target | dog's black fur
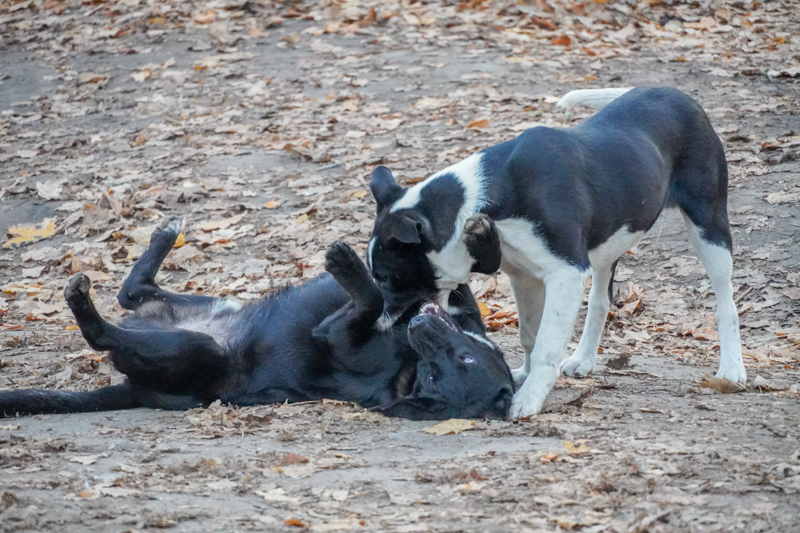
x: 557, y: 197
x: 306, y: 343
x: 572, y: 183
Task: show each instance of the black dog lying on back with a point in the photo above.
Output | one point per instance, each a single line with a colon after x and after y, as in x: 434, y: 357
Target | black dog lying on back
x: 305, y: 343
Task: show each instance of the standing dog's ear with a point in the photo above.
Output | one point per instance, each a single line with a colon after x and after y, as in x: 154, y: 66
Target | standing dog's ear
x: 409, y: 230
x: 384, y: 187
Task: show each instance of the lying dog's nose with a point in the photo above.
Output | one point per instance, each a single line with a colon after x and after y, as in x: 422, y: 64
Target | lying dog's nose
x: 420, y: 322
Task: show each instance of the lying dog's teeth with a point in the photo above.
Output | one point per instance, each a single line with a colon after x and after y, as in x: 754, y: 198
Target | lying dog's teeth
x: 429, y: 309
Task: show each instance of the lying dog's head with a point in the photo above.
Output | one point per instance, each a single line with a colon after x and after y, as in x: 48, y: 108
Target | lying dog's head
x: 460, y: 373
x: 416, y: 251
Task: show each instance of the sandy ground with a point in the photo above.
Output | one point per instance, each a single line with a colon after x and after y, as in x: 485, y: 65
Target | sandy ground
x: 283, y: 125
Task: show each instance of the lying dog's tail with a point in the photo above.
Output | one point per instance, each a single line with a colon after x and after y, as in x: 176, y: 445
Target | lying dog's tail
x: 34, y: 402
x: 591, y: 97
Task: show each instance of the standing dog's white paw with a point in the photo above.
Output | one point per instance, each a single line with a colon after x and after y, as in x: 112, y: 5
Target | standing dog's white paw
x: 733, y: 371
x: 577, y: 366
x: 526, y: 402
x: 519, y: 375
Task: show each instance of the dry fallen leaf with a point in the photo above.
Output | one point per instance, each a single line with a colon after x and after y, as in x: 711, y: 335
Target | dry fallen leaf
x: 770, y: 384
x: 292, y: 38
x: 479, y: 123
x: 561, y: 41
x: 723, y: 385
x: 141, y: 75
x: 204, y: 18
x: 485, y: 311
x: 576, y: 450
x: 49, y: 190
x: 294, y: 522
x: 21, y: 235
x: 84, y: 459
x: 451, y: 427
x: 211, y: 225
x: 292, y: 459
x: 90, y: 77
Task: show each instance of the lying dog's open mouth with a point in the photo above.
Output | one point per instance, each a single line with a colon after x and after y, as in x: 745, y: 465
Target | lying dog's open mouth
x: 431, y: 309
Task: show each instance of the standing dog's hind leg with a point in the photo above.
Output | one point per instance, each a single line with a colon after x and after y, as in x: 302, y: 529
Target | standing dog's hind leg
x: 564, y: 296
x: 718, y: 262
x: 583, y: 360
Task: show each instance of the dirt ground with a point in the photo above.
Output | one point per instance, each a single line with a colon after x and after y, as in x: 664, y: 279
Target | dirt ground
x: 259, y: 123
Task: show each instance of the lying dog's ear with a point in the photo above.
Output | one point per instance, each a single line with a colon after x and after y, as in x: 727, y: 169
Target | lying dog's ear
x: 384, y: 187
x: 414, y: 408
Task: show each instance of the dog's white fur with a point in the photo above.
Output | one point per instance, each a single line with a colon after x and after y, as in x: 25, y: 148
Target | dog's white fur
x: 546, y: 323
x: 719, y: 265
x: 591, y: 97
x: 453, y: 261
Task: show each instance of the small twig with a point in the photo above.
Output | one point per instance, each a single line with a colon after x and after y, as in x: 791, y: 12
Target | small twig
x: 328, y: 167
x: 741, y: 296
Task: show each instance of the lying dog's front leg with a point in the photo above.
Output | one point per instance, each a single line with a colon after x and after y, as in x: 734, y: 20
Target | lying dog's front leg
x: 352, y: 324
x: 564, y: 296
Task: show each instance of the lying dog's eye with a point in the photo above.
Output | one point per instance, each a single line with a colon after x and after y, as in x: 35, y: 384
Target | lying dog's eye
x: 430, y: 378
x: 466, y: 359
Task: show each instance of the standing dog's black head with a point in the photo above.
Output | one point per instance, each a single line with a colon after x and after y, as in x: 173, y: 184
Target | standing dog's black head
x: 418, y: 249
x: 460, y: 374
x: 398, y: 250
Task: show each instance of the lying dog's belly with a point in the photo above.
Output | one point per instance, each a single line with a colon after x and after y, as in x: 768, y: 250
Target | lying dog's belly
x: 223, y: 322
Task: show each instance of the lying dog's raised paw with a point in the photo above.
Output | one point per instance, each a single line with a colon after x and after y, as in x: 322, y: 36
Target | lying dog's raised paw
x: 341, y: 259
x: 78, y: 285
x: 171, y: 224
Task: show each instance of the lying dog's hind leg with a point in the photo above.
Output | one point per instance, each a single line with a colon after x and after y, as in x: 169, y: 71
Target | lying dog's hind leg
x: 583, y: 360
x: 140, y: 286
x: 352, y: 324
x: 171, y: 359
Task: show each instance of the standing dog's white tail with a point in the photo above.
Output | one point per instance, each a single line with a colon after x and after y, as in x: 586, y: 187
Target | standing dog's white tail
x: 591, y: 97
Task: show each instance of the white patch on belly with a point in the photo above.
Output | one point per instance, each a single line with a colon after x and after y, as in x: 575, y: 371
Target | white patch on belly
x: 620, y: 242
x: 223, y: 305
x: 221, y: 322
x: 524, y: 249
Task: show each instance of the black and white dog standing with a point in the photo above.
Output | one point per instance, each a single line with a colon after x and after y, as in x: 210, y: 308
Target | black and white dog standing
x: 567, y: 203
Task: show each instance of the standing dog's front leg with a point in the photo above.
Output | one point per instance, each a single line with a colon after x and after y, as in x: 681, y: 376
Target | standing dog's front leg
x: 564, y: 295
